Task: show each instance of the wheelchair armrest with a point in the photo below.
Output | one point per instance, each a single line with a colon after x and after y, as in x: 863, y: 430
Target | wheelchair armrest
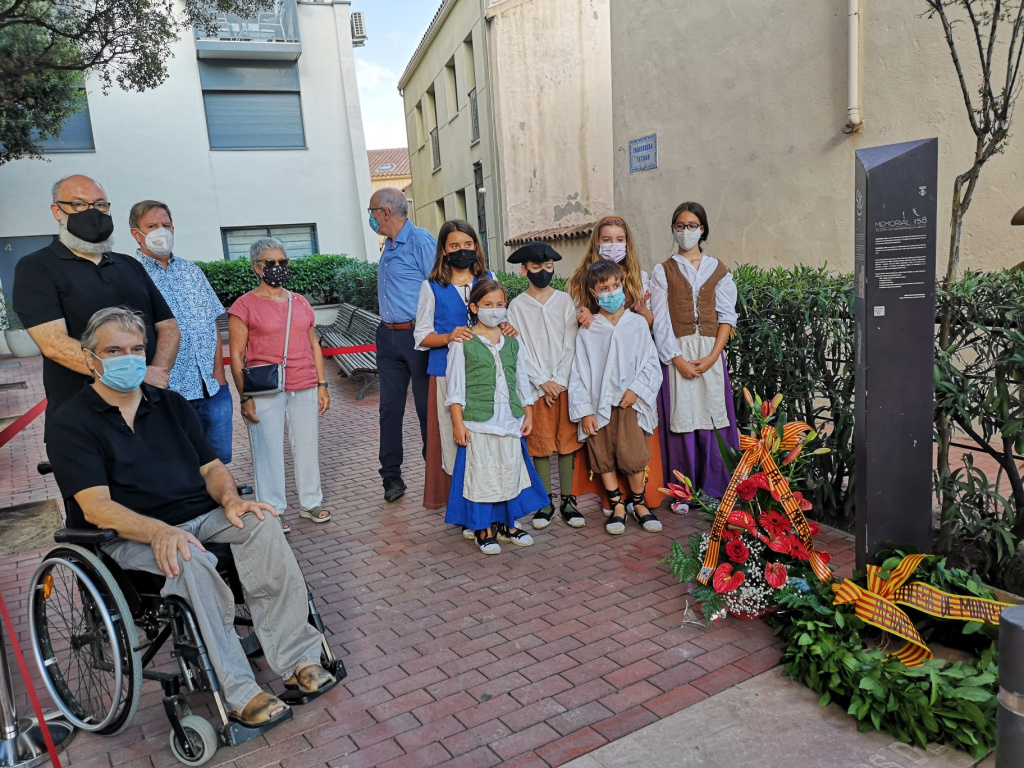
x: 82, y: 536
x: 44, y: 468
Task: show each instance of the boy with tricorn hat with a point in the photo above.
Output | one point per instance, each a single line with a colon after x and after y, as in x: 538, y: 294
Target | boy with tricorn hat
x: 546, y: 321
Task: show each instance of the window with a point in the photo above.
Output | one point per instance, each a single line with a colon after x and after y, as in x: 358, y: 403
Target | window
x: 451, y: 89
x: 481, y: 207
x: 460, y: 204
x: 439, y: 217
x: 252, y: 104
x: 298, y: 239
x: 474, y: 110
x: 75, y: 136
x: 417, y: 128
x: 467, y: 52
x: 430, y: 107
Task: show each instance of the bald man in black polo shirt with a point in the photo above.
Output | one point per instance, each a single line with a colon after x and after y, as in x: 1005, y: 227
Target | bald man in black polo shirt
x: 58, y: 288
x: 135, y: 460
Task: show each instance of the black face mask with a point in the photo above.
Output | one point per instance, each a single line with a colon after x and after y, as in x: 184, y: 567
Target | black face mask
x: 275, y: 276
x: 462, y: 259
x: 540, y: 279
x: 91, y: 225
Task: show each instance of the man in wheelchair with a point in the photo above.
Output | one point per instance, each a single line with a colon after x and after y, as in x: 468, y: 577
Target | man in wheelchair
x: 135, y: 461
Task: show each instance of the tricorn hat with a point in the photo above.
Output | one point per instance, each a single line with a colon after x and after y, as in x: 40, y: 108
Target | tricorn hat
x: 535, y: 251
x: 1018, y: 218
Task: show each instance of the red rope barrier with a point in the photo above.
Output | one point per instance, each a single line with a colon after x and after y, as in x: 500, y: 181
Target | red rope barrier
x: 332, y: 351
x: 23, y: 421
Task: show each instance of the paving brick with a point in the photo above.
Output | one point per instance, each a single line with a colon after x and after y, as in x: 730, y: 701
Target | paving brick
x: 524, y: 741
x: 482, y: 757
x: 583, y: 694
x: 399, y: 705
x: 625, y: 722
x: 483, y: 711
x: 629, y: 697
x: 720, y: 679
x: 386, y: 730
x: 368, y: 758
x: 434, y: 731
x: 570, y: 747
x: 675, y: 700
x: 480, y: 736
x: 531, y: 714
x: 719, y: 657
x: 542, y: 689
x: 581, y: 717
x: 761, y: 661
x: 432, y: 754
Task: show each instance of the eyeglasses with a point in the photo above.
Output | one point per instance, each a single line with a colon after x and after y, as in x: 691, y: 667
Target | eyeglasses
x: 379, y: 208
x: 693, y: 227
x: 78, y: 206
x: 274, y: 263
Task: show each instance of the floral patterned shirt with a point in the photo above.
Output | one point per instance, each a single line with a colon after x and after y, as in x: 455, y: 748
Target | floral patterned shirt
x: 196, y: 308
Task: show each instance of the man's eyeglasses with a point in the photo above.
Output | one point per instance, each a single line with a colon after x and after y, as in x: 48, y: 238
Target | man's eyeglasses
x: 103, y: 206
x: 379, y: 208
x: 274, y: 263
x: 693, y: 227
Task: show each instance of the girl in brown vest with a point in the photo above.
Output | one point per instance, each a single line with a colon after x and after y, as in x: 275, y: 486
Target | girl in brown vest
x: 693, y: 297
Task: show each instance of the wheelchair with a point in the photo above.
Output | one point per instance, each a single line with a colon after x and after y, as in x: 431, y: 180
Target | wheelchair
x: 86, y: 615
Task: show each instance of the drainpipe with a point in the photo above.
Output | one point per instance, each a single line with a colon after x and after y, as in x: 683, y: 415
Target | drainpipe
x: 854, y: 120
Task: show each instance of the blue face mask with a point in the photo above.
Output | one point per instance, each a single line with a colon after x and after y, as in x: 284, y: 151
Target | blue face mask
x: 124, y: 373
x: 374, y: 224
x: 611, y: 301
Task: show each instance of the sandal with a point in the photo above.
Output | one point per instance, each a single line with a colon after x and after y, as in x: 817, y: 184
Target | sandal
x: 570, y: 513
x: 487, y: 543
x: 517, y: 536
x: 648, y: 522
x: 542, y: 517
x: 263, y: 709
x: 468, y: 533
x: 310, y: 678
x: 285, y: 525
x: 616, y: 525
x: 317, y: 514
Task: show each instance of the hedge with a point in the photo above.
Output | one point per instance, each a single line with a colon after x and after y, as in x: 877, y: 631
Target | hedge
x: 311, y: 276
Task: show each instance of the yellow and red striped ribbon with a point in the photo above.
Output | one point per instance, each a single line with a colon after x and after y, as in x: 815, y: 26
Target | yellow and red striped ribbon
x: 759, y: 452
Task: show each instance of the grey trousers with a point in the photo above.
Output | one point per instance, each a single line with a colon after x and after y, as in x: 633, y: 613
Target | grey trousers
x: 274, y: 591
x: 302, y: 414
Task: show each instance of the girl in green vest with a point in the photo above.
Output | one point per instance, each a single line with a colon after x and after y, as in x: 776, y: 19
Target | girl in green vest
x: 491, y: 401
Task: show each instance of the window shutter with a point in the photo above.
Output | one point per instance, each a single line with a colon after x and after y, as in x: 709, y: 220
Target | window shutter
x: 254, y: 120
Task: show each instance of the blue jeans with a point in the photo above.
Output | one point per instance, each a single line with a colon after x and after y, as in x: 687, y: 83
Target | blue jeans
x: 215, y: 413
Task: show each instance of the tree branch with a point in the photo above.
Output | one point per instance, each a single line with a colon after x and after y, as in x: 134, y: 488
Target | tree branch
x: 947, y: 29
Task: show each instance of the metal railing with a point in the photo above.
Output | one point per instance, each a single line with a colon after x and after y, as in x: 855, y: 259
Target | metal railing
x: 475, y: 112
x: 435, y: 148
x: 277, y: 26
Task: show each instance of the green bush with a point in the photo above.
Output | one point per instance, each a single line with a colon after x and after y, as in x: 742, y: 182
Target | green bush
x: 355, y: 282
x: 311, y: 276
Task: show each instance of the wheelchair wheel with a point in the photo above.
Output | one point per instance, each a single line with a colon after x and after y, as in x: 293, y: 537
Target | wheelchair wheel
x: 84, y: 640
x: 202, y: 738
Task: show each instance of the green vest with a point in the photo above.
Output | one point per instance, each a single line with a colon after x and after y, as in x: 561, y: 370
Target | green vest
x: 482, y: 377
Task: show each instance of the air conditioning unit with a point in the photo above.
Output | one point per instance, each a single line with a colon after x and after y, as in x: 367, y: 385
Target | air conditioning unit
x: 358, y: 30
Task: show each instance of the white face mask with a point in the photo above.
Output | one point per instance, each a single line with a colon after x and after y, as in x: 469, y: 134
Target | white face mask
x: 687, y: 239
x: 612, y: 251
x: 160, y: 241
x: 492, y: 316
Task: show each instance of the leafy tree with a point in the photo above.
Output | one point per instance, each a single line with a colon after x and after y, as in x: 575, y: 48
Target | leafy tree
x: 989, y: 99
x: 47, y: 46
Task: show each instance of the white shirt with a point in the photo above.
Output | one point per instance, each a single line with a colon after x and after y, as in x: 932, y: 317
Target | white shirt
x: 425, y: 306
x: 502, y: 422
x: 725, y: 300
x: 548, y: 333
x: 609, y: 360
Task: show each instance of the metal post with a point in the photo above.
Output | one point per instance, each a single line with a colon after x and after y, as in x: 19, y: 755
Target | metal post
x: 21, y: 740
x: 1010, y: 721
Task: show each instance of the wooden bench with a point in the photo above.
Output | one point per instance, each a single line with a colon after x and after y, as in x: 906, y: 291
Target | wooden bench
x: 353, y: 327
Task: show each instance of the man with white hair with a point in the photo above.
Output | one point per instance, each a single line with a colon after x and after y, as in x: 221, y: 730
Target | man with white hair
x: 405, y: 262
x: 59, y: 287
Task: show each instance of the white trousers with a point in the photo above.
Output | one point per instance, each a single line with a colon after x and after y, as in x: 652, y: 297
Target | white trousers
x: 300, y: 411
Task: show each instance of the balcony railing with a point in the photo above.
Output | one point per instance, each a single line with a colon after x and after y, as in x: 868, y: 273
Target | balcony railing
x: 474, y: 110
x: 271, y: 35
x: 435, y: 148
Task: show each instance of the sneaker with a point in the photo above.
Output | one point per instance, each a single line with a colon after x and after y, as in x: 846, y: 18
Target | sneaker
x: 517, y: 536
x: 570, y: 513
x: 542, y: 518
x: 488, y: 544
x: 394, y: 488
x: 468, y: 533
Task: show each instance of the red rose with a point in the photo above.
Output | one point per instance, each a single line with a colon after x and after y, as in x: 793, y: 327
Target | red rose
x: 775, y: 575
x: 725, y: 580
x: 737, y: 551
x: 746, y: 490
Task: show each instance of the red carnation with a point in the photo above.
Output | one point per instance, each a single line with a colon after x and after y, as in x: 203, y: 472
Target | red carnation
x: 737, y: 551
x: 725, y: 580
x: 776, y: 523
x: 775, y: 575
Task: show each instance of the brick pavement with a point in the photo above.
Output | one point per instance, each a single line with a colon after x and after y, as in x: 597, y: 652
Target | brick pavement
x: 531, y: 658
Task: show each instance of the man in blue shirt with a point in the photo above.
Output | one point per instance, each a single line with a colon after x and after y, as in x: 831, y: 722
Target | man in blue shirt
x: 198, y: 372
x: 406, y: 261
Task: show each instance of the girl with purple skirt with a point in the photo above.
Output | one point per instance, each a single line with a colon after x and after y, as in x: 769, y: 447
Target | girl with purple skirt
x: 693, y: 297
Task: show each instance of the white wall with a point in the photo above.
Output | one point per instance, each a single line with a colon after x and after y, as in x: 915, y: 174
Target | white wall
x: 748, y: 99
x: 154, y: 145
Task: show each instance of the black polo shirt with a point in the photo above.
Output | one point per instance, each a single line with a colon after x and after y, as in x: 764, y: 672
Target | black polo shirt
x: 53, y: 284
x: 153, y: 470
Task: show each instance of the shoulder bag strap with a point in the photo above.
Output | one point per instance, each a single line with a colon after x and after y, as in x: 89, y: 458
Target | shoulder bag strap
x: 288, y: 329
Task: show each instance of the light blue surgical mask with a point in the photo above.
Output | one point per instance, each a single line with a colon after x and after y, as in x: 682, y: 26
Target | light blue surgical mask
x: 374, y: 224
x: 611, y: 301
x: 124, y: 373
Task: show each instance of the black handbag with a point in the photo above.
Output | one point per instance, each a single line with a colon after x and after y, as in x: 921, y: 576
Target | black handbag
x: 268, y: 379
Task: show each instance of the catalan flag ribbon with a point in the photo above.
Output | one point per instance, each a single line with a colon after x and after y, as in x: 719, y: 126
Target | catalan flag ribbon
x: 876, y: 605
x: 759, y: 452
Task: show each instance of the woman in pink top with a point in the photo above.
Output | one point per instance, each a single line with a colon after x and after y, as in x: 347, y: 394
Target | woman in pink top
x: 256, y: 327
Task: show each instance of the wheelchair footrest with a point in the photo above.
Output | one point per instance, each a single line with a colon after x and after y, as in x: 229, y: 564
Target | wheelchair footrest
x: 234, y: 733
x: 293, y: 696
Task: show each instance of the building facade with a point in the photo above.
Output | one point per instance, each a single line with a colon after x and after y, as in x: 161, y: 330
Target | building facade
x: 256, y: 131
x: 748, y: 101
x: 390, y: 168
x: 446, y: 90
x: 551, y: 85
